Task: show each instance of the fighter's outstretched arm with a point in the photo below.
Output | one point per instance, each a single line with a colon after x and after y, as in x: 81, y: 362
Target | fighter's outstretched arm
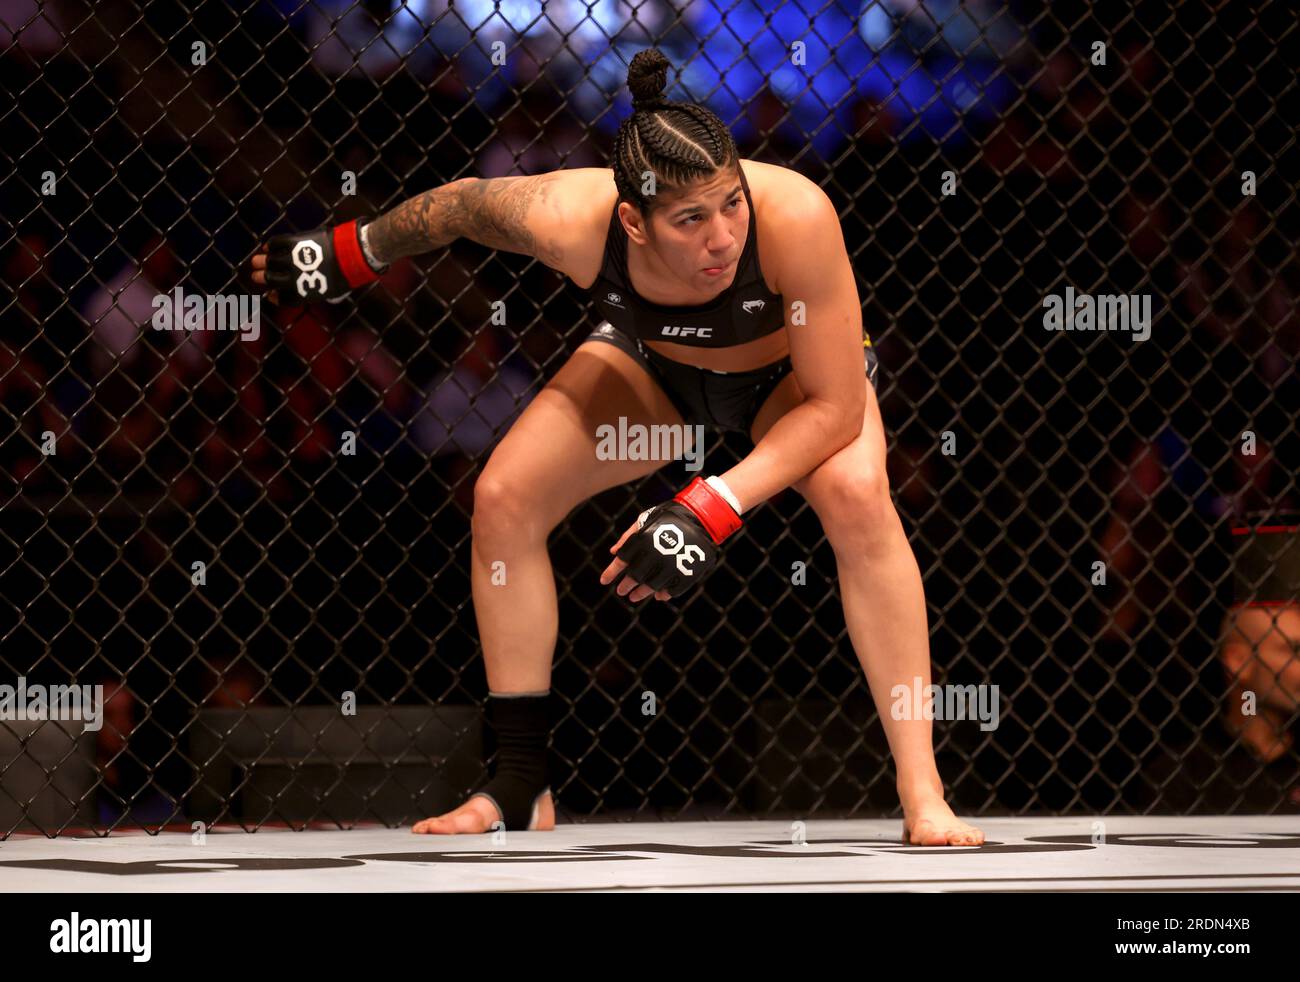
x: 526, y: 215
x: 516, y: 214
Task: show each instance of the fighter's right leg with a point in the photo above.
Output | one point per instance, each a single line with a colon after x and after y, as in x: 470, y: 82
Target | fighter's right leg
x: 543, y: 468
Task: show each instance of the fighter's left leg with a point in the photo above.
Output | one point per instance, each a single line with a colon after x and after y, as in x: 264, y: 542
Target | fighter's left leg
x: 884, y: 607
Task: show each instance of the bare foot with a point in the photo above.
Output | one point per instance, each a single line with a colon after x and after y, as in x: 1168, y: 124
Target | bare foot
x: 1264, y: 735
x: 478, y: 815
x: 931, y: 822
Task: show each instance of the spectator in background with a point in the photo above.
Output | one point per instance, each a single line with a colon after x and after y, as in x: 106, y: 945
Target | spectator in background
x: 1261, y: 635
x: 1260, y: 649
x: 341, y: 35
x: 26, y: 363
x: 516, y: 150
x: 127, y: 787
x: 120, y: 311
x: 140, y: 375
x: 112, y: 739
x: 23, y: 399
x: 1260, y: 644
x: 233, y: 682
x: 43, y: 327
x: 1242, y: 309
x: 468, y: 408
x: 1138, y: 528
x: 334, y: 360
x: 31, y: 293
x: 1254, y: 303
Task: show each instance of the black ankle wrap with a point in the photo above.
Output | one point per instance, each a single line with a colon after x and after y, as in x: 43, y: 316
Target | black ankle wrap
x: 522, y: 725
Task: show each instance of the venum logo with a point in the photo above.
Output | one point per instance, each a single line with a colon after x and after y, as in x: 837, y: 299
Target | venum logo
x: 749, y: 306
x: 614, y: 298
x: 673, y: 331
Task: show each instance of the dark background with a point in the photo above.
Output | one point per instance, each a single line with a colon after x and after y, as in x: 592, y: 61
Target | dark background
x: 329, y: 573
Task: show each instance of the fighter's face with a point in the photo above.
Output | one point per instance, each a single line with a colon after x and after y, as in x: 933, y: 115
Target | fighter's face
x: 699, y: 232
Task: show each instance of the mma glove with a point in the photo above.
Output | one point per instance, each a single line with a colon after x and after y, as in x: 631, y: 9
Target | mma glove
x: 675, y: 545
x: 322, y: 265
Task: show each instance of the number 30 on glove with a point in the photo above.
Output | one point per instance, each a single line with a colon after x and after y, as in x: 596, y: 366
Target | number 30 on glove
x: 675, y: 544
x: 322, y: 265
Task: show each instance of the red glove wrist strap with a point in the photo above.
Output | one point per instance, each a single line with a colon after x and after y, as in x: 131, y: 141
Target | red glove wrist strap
x: 347, y: 247
x: 718, y: 518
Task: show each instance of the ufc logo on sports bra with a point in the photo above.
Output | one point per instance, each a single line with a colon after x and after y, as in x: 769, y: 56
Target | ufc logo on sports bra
x: 671, y: 331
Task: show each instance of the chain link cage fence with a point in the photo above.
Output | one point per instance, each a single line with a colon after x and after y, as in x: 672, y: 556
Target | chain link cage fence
x: 258, y: 543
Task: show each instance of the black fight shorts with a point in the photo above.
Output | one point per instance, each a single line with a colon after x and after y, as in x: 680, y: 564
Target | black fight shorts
x: 724, y: 400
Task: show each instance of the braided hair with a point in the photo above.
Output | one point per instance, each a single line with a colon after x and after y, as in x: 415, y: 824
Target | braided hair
x: 678, y: 142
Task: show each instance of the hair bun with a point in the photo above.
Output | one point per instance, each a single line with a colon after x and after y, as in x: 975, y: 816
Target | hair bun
x: 647, y: 77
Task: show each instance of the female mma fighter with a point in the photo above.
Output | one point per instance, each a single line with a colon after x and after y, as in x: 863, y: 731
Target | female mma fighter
x: 669, y: 244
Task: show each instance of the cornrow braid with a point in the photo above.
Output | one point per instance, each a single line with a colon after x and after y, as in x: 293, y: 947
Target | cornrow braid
x: 678, y: 142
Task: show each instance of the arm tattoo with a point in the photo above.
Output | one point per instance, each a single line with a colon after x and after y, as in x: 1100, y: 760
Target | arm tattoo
x: 491, y: 212
x: 425, y: 222
x: 496, y: 213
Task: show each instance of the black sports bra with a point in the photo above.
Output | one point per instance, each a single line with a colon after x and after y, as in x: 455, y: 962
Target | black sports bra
x: 744, y: 311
